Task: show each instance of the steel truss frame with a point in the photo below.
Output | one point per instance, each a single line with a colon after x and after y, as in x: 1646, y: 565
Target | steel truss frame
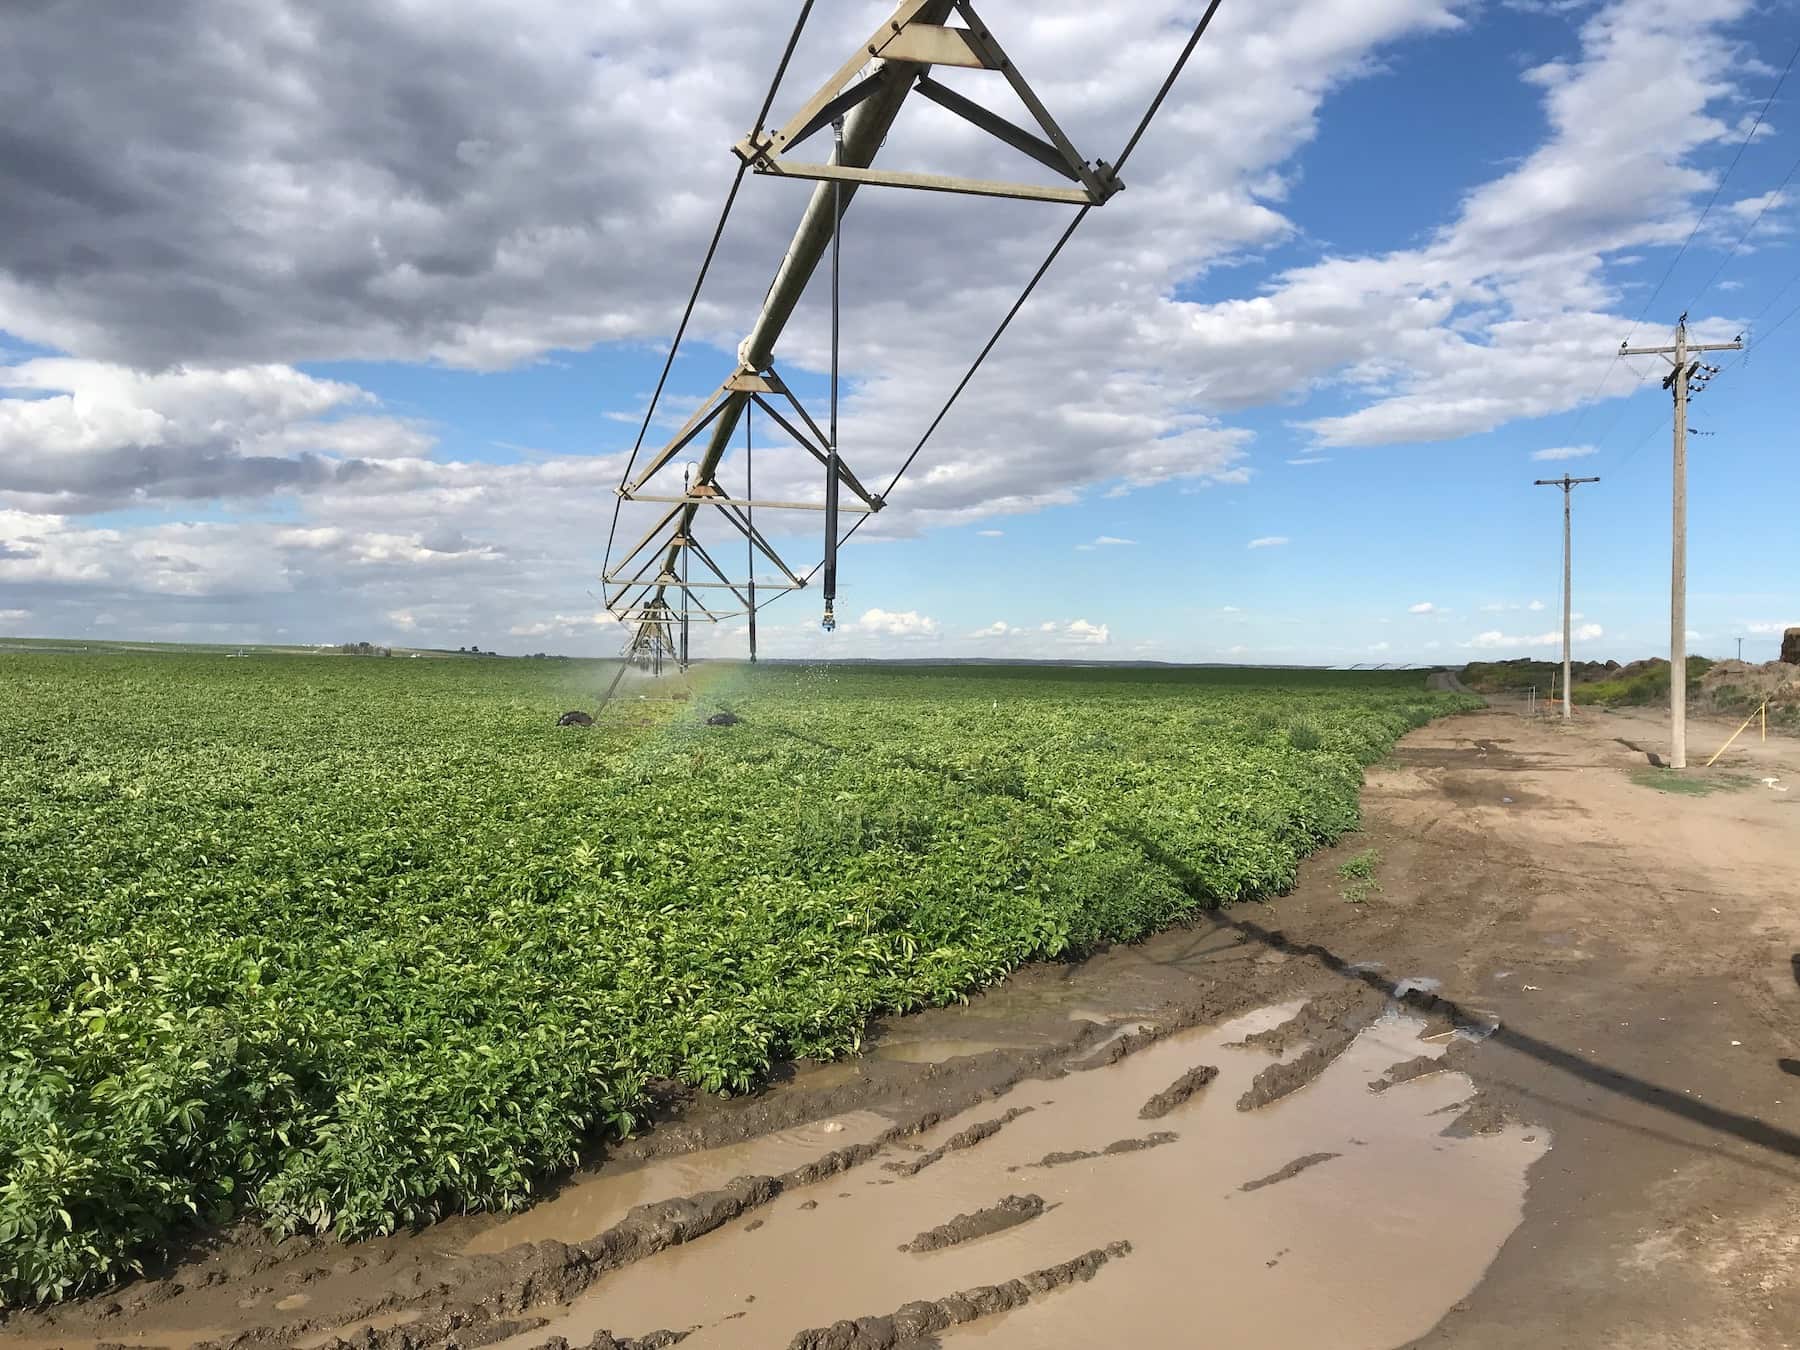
x: 866, y: 92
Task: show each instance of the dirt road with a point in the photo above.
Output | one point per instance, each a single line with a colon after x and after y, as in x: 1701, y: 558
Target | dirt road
x: 1541, y: 1087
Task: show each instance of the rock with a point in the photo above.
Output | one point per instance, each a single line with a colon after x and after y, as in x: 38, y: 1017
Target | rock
x: 1790, y: 647
x: 723, y: 719
x: 574, y: 719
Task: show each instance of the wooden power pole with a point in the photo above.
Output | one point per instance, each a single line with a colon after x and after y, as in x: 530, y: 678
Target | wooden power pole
x: 1682, y: 370
x: 1567, y: 484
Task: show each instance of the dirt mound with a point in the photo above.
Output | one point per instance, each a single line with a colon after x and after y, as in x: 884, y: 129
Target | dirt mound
x: 1738, y: 686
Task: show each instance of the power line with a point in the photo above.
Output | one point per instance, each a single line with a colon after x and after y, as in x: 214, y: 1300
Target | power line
x: 712, y: 248
x: 1769, y: 201
x: 1043, y: 267
x: 1718, y: 188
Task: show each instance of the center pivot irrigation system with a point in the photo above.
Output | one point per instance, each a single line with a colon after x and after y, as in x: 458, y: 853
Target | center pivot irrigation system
x: 657, y: 582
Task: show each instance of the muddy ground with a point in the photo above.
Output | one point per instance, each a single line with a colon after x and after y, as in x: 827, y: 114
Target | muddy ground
x: 1541, y: 1087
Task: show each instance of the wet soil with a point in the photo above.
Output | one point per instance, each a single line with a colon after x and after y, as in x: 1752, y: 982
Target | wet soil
x: 1009, y: 1213
x: 1555, y: 955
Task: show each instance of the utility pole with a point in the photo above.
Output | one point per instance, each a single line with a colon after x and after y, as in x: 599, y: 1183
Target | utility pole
x: 1681, y: 371
x: 1568, y: 485
x: 1740, y: 643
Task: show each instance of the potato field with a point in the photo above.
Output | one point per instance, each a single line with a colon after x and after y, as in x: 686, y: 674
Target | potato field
x: 346, y: 944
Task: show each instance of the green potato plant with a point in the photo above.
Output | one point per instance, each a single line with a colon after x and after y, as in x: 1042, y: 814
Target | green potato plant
x: 345, y: 946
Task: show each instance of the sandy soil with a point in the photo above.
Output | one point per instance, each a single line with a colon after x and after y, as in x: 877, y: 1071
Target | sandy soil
x: 1540, y: 1088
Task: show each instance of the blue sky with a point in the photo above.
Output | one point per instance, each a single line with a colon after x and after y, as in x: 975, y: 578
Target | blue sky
x: 364, y: 363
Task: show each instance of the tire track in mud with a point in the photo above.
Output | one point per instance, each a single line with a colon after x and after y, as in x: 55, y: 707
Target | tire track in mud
x: 1293, y: 1169
x: 1064, y: 1157
x: 484, y: 1300
x: 499, y: 1287
x: 986, y: 1129
x: 1009, y: 1213
x: 914, y: 1322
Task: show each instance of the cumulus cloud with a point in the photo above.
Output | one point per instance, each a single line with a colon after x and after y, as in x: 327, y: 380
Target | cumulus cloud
x: 1423, y: 607
x: 1495, y: 640
x: 910, y: 624
x: 404, y: 192
x: 88, y: 435
x: 1268, y: 541
x: 1051, y: 637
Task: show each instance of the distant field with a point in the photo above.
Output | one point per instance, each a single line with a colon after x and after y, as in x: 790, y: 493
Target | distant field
x: 349, y: 943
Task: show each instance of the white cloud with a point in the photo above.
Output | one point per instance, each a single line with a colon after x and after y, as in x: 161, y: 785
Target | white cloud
x: 1379, y: 646
x: 999, y: 628
x: 1268, y: 541
x: 1230, y: 609
x: 1107, y: 539
x: 1050, y: 638
x: 567, y: 625
x: 403, y: 619
x: 1770, y: 629
x: 1565, y: 452
x: 395, y: 196
x: 1535, y: 605
x: 1423, y: 607
x: 1495, y: 640
x: 1311, y: 459
x: 87, y: 435
x: 991, y: 534
x: 910, y: 624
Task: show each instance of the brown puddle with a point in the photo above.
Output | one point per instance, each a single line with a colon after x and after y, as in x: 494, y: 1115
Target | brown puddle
x: 593, y: 1203
x: 1369, y: 1247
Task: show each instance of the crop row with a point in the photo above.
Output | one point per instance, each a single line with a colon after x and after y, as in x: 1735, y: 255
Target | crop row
x: 345, y: 946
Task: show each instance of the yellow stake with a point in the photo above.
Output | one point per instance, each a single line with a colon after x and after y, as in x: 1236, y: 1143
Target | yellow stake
x: 1740, y: 731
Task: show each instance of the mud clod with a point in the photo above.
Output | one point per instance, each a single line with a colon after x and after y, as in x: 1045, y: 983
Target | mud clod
x: 1405, y: 1072
x: 968, y: 1138
x: 1293, y: 1169
x: 1128, y: 1044
x: 1481, y: 1115
x: 1118, y: 1146
x: 1178, y: 1092
x: 1009, y: 1213
x: 915, y: 1322
x: 1329, y: 1022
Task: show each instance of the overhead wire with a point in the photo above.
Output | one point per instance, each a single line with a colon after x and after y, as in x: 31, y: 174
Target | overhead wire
x: 712, y: 249
x: 1718, y: 188
x: 1131, y: 144
x: 1055, y: 249
x: 1587, y: 404
x: 1768, y: 201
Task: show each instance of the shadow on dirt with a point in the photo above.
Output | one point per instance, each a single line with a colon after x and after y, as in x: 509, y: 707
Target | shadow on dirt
x: 1750, y: 1129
